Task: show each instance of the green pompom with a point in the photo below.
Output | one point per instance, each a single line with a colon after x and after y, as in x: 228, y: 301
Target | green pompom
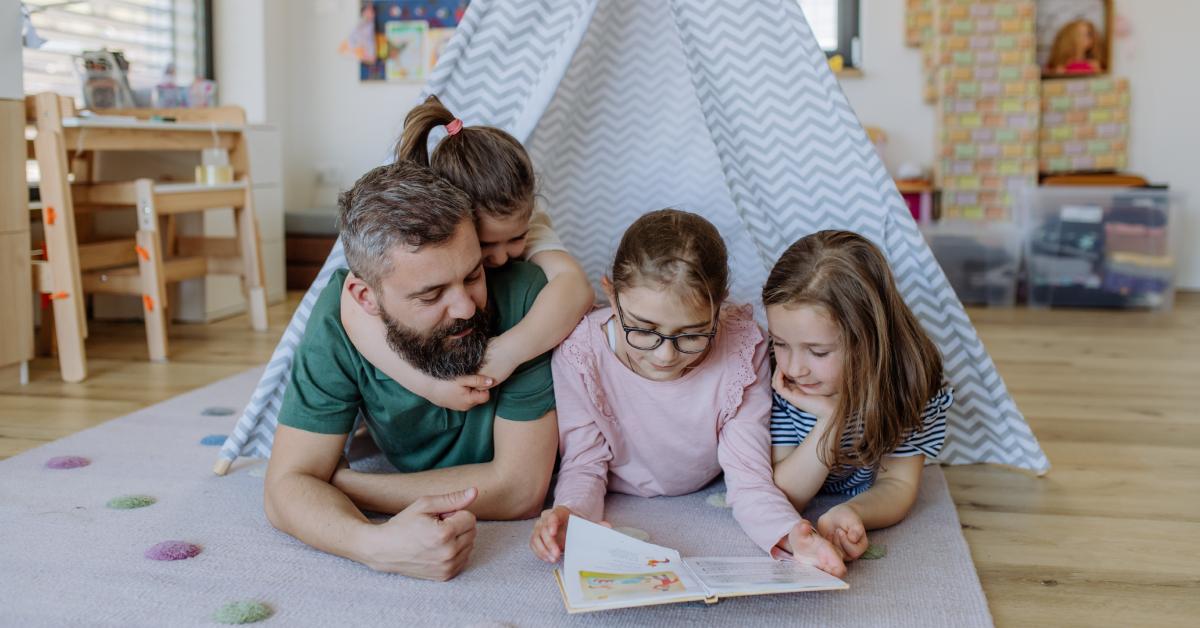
x: 129, y: 502
x: 874, y: 552
x: 244, y: 612
x: 717, y: 500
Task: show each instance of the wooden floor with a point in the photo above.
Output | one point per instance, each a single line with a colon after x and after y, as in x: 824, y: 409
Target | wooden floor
x: 1111, y: 536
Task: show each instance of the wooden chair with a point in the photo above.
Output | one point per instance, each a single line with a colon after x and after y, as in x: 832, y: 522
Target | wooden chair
x: 144, y: 263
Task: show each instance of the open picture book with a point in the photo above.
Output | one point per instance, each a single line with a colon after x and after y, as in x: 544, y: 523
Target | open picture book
x: 604, y: 569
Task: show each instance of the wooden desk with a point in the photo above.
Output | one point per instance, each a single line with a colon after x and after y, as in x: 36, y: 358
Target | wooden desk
x: 65, y: 146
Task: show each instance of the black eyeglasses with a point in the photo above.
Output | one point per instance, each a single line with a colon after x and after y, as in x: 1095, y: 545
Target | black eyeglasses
x: 649, y: 340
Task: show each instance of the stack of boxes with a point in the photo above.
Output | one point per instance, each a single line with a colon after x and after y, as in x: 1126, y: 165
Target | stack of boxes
x: 918, y: 22
x: 1085, y: 124
x: 989, y: 104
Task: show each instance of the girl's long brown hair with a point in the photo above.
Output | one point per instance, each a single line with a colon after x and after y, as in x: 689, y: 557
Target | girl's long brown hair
x: 487, y: 163
x: 891, y: 368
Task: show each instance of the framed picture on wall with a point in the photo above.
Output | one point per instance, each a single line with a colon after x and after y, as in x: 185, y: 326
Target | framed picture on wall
x: 1074, y: 37
x: 397, y: 36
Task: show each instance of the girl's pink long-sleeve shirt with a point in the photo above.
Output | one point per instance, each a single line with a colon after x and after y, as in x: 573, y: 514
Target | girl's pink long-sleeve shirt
x: 619, y: 431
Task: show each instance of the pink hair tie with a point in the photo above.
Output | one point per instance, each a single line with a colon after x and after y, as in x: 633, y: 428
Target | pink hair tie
x: 454, y: 127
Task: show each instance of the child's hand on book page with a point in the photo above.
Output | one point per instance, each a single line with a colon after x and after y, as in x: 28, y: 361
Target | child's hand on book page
x: 843, y: 527
x: 550, y: 534
x: 807, y: 546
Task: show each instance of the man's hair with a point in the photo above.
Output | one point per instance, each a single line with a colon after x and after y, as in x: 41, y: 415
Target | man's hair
x: 398, y: 204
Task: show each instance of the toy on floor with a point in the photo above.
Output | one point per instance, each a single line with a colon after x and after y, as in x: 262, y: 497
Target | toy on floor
x: 213, y: 440
x: 217, y: 411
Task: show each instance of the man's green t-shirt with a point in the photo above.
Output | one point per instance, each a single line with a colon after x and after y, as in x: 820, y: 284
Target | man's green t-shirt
x: 331, y: 382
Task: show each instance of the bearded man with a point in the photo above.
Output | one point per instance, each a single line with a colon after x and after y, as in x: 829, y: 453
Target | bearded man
x: 415, y: 262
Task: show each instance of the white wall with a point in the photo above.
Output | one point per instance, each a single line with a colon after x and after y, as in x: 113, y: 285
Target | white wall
x: 10, y: 50
x: 1158, y: 58
x: 335, y: 123
x: 889, y: 95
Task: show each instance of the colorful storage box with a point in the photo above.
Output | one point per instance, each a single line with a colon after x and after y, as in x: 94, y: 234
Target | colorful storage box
x: 1085, y: 125
x: 1100, y: 247
x: 981, y: 261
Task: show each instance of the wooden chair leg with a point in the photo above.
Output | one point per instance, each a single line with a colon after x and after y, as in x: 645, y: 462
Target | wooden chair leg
x: 58, y: 219
x: 252, y: 266
x: 150, y: 267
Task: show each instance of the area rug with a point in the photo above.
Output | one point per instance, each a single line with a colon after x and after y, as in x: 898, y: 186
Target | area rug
x: 82, y: 545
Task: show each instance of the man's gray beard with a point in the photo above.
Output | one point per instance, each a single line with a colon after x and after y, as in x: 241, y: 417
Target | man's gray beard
x: 438, y: 355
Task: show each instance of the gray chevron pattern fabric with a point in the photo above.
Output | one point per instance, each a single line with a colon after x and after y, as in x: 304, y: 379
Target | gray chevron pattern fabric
x: 796, y: 161
x: 598, y: 171
x: 722, y: 107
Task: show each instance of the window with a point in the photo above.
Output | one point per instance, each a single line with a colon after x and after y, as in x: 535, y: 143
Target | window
x: 835, y: 24
x: 151, y: 33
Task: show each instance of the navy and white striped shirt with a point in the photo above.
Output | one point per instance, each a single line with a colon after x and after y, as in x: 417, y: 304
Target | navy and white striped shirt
x: 790, y: 425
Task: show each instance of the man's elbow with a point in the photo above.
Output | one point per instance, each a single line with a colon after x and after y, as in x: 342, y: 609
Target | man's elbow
x: 525, y: 502
x: 274, y: 517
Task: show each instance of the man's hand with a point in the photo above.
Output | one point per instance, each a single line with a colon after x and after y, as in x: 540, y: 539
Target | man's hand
x: 550, y: 534
x: 843, y: 527
x: 820, y: 406
x: 431, y: 539
x: 807, y: 546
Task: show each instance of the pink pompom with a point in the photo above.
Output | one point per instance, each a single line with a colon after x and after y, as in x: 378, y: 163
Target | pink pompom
x: 172, y: 550
x: 67, y: 462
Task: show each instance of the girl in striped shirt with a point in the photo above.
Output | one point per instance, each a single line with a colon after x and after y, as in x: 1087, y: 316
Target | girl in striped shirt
x: 858, y: 399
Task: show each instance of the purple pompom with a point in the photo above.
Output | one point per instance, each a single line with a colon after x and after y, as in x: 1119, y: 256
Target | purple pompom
x: 172, y: 550
x: 67, y: 462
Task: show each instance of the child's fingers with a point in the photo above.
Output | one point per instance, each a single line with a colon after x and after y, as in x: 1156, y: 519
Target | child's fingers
x: 539, y: 548
x: 481, y: 382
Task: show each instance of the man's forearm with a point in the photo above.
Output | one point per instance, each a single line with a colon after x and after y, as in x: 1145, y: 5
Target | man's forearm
x: 317, y: 514
x: 500, y: 497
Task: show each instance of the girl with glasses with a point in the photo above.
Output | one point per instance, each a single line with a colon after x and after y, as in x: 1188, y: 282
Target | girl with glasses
x: 669, y: 387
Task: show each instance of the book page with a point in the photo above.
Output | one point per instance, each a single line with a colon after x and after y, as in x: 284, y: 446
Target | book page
x: 726, y: 577
x: 603, y: 568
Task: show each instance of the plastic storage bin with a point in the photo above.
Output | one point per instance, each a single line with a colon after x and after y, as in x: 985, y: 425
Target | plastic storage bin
x: 1100, y: 247
x: 981, y: 259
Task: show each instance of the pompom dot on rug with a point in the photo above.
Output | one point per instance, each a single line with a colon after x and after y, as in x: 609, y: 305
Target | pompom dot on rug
x: 243, y: 612
x: 172, y: 550
x: 129, y: 502
x: 67, y: 462
x: 636, y: 533
x: 874, y: 552
x: 717, y: 500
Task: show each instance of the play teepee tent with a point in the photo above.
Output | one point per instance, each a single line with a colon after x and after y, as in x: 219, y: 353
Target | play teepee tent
x: 723, y: 107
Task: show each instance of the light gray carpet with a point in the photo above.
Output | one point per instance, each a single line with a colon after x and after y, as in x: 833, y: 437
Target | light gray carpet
x: 67, y: 559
